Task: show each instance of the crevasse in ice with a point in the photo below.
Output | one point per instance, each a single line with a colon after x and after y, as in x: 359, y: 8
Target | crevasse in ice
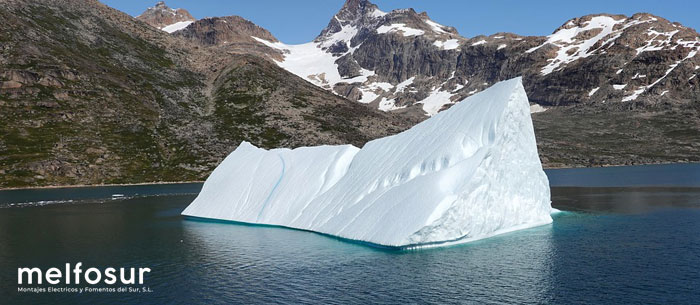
x: 467, y: 173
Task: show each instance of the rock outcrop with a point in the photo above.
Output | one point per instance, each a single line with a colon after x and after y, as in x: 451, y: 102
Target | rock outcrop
x: 165, y: 18
x: 233, y: 33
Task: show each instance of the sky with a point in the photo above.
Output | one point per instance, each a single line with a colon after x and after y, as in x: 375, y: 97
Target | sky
x: 300, y: 21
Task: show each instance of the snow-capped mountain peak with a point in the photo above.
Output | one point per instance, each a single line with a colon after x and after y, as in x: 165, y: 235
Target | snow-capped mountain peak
x: 354, y: 11
x: 403, y: 59
x: 330, y: 60
x: 359, y: 18
x: 355, y: 16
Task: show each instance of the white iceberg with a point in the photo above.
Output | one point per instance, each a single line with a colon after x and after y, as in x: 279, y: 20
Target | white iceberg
x: 467, y: 173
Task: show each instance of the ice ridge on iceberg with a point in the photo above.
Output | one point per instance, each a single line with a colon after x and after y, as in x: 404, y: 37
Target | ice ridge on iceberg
x: 467, y: 173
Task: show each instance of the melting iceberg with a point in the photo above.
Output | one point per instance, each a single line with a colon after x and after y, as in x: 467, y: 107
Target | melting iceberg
x: 467, y: 173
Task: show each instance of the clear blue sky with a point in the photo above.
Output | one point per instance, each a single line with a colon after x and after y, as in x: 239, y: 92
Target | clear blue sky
x: 298, y: 21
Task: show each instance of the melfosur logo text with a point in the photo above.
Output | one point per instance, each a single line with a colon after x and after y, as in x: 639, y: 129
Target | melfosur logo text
x: 92, y: 276
x: 76, y: 275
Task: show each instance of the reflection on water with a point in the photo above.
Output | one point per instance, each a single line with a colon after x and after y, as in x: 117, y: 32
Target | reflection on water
x: 270, y: 263
x: 624, y: 200
x: 626, y: 245
x: 46, y: 196
x: 670, y: 175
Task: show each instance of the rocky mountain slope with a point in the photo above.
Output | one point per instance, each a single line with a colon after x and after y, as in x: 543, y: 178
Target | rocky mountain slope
x: 403, y: 59
x: 91, y: 95
x: 165, y: 18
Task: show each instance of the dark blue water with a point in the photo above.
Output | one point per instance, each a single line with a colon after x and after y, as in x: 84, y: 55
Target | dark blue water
x: 676, y: 175
x: 34, y: 197
x: 619, y: 245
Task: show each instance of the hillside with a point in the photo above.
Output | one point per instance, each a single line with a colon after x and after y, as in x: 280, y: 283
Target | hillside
x: 91, y: 95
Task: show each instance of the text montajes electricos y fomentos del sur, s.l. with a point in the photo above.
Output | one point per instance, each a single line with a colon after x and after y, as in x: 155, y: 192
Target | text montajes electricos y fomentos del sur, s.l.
x: 52, y: 289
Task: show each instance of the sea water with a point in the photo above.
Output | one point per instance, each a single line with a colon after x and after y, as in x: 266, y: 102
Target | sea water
x: 636, y: 243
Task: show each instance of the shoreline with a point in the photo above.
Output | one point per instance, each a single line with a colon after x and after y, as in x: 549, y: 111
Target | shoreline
x: 95, y: 185
x: 202, y: 181
x: 621, y: 165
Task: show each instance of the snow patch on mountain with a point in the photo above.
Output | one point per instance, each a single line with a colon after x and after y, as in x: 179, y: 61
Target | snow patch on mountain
x: 438, y: 28
x: 376, y: 13
x: 382, y: 85
x: 571, y: 49
x: 449, y: 44
x: 389, y: 105
x: 404, y: 84
x: 368, y: 95
x: 593, y: 91
x: 346, y: 33
x: 399, y: 28
x: 176, y: 26
x: 634, y: 94
x: 310, y: 62
x: 653, y: 44
x: 673, y: 66
x: 435, y: 101
x: 535, y: 108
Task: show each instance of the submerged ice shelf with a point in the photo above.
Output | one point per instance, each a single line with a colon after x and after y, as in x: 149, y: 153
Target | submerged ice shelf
x: 467, y: 173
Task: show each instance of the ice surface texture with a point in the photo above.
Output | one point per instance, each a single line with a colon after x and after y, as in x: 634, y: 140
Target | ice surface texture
x: 467, y: 173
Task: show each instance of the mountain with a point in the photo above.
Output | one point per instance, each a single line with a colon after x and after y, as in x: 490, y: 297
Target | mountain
x: 606, y: 89
x: 403, y: 59
x: 165, y: 18
x: 90, y: 95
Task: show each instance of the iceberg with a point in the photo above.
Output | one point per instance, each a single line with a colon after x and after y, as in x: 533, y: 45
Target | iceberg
x: 467, y: 173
